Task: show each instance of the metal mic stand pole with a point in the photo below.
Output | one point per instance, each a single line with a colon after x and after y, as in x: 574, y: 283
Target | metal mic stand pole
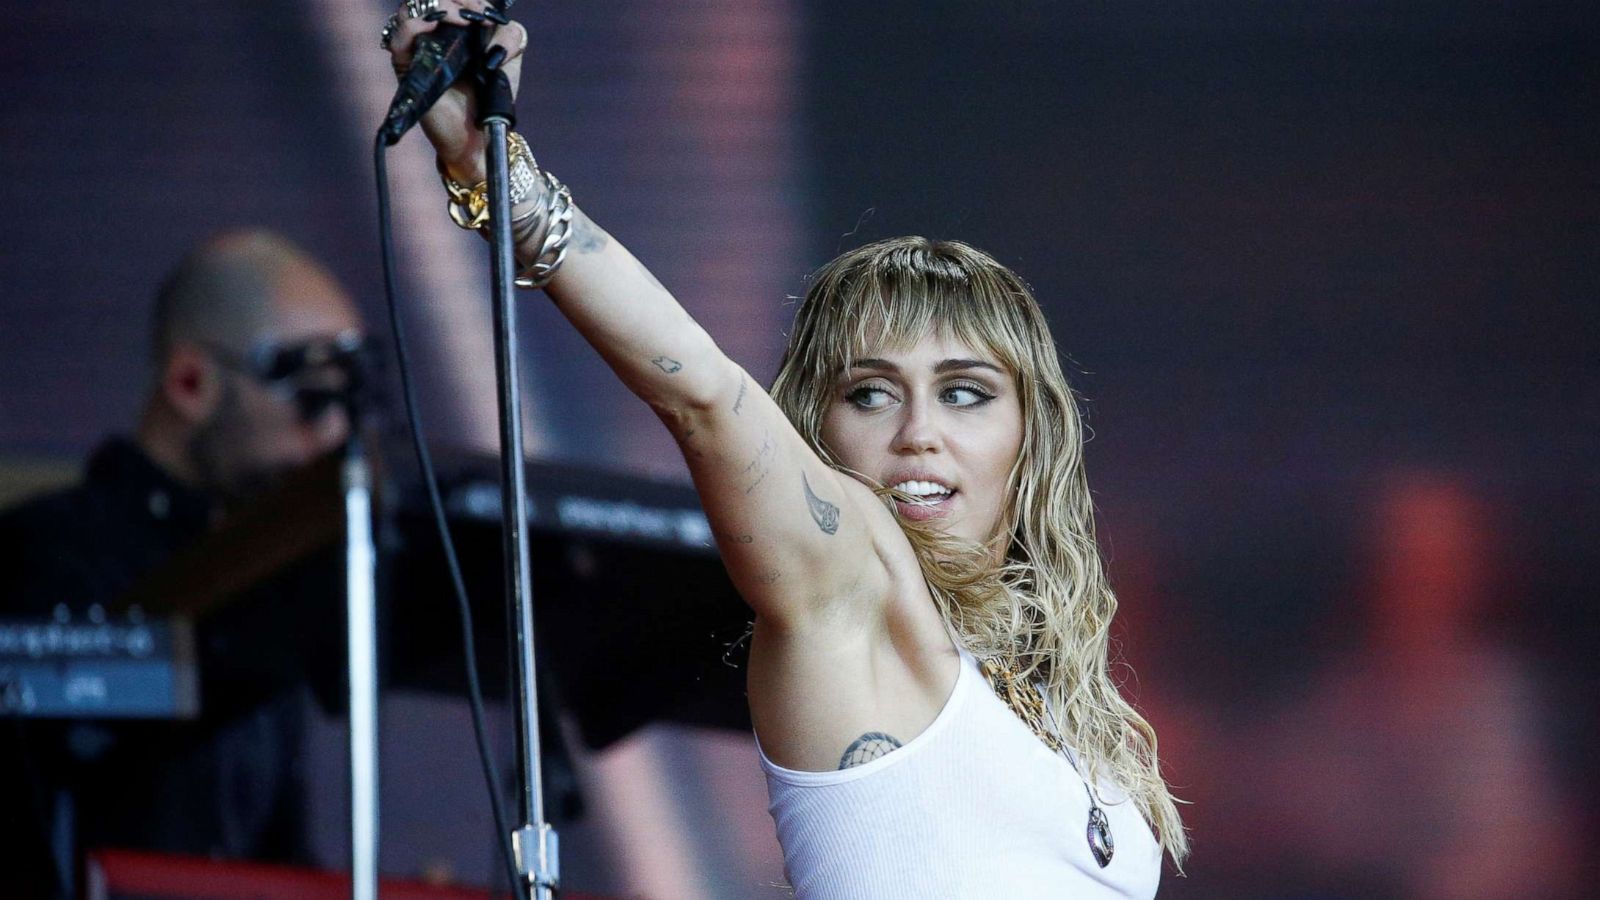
x: 361, y: 604
x: 534, y: 843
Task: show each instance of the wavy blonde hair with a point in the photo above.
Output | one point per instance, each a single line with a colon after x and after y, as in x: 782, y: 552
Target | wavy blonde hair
x: 1046, y: 609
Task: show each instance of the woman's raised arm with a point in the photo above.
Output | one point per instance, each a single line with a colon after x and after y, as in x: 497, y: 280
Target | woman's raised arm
x: 797, y: 536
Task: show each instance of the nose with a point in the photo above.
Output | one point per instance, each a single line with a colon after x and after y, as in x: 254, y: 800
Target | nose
x: 918, y: 431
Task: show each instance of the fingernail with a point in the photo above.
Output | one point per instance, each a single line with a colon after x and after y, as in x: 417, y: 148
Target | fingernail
x: 495, y: 58
x: 472, y: 16
x: 496, y: 16
x: 435, y: 16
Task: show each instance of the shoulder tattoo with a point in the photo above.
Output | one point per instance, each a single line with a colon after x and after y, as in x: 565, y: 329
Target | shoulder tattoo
x: 867, y: 748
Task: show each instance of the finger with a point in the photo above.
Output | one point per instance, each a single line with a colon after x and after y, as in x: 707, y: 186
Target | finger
x: 513, y: 38
x: 402, y: 44
x: 405, y: 36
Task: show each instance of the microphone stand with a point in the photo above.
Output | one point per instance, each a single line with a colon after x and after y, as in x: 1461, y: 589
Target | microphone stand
x: 534, y: 843
x: 361, y: 610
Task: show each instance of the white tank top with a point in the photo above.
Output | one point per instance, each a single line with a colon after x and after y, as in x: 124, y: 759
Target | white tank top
x: 975, y: 807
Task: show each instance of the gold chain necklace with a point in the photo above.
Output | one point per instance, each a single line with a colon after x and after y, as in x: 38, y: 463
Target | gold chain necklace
x: 1026, y: 700
x: 1023, y: 698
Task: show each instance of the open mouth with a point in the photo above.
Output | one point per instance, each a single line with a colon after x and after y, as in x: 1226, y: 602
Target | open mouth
x: 927, y: 498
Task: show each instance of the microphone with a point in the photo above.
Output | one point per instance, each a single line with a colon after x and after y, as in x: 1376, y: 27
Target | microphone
x: 441, y: 56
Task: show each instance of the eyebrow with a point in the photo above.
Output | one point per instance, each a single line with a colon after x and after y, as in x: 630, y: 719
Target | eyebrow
x: 948, y: 365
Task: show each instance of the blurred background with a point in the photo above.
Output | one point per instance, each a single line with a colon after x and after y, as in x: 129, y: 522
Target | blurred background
x: 1325, y: 272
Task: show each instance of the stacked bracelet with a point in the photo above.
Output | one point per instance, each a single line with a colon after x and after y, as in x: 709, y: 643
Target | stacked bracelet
x: 469, y: 206
x: 548, y: 224
x: 552, y: 224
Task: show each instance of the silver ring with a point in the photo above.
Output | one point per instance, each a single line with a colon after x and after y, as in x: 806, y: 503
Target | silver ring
x: 390, y: 26
x: 416, y: 9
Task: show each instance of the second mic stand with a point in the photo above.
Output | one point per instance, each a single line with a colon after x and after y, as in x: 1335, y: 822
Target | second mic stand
x: 534, y: 843
x: 362, y: 649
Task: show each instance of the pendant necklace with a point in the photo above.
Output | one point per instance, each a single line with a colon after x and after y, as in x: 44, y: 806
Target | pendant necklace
x: 1100, y: 843
x: 1028, y: 703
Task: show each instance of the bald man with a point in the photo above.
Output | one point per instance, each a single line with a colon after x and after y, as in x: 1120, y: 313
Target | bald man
x: 212, y: 421
x: 248, y: 334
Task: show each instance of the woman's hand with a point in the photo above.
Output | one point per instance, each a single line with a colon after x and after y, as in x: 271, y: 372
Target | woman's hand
x: 451, y: 125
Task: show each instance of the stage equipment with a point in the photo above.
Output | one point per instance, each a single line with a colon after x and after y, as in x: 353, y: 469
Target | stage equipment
x: 130, y: 875
x: 626, y: 574
x: 98, y: 668
x: 534, y: 842
x: 439, y: 63
x: 361, y: 618
x: 440, y: 58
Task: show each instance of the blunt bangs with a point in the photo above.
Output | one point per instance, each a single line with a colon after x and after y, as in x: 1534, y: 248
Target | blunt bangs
x: 893, y: 298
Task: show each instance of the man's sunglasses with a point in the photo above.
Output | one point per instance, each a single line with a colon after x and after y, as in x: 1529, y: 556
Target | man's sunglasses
x: 314, y: 374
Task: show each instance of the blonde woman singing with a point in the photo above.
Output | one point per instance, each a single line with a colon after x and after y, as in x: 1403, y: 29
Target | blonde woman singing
x: 908, y: 516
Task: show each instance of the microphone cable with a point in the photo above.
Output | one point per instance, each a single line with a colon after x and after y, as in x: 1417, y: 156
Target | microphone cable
x: 430, y: 480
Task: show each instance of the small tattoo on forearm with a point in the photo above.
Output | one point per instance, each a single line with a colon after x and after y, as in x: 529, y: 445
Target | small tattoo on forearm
x: 732, y: 538
x: 667, y: 364
x: 769, y: 577
x: 686, y: 441
x: 591, y: 237
x: 825, y: 514
x: 868, y: 747
x: 744, y: 383
x: 756, y: 470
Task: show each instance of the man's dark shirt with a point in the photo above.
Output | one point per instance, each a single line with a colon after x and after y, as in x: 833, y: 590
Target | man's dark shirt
x: 225, y: 784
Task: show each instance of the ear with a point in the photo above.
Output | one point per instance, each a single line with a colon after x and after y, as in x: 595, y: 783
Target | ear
x: 191, y: 382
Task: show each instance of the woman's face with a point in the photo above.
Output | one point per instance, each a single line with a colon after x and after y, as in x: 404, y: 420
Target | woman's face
x: 940, y: 420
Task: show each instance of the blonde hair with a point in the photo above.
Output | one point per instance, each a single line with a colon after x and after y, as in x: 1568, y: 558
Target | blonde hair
x: 1046, y: 609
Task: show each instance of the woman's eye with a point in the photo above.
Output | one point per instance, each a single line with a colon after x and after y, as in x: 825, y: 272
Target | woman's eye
x: 966, y: 395
x: 869, y: 397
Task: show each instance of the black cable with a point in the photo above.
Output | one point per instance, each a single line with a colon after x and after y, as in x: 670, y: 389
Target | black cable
x: 425, y: 460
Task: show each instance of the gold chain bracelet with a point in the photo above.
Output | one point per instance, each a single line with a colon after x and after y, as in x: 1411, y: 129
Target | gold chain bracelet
x: 469, y: 206
x: 548, y: 224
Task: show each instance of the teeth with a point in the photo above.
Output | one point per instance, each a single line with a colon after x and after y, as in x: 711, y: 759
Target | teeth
x: 930, y: 489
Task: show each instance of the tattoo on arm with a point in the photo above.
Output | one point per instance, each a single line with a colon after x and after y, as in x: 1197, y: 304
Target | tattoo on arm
x: 744, y: 383
x: 867, y: 748
x: 587, y: 237
x: 733, y: 538
x: 686, y: 442
x: 591, y: 238
x: 667, y: 364
x: 756, y: 471
x: 825, y: 514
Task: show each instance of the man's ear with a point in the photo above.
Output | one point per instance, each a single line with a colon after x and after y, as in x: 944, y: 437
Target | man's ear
x: 191, y: 382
